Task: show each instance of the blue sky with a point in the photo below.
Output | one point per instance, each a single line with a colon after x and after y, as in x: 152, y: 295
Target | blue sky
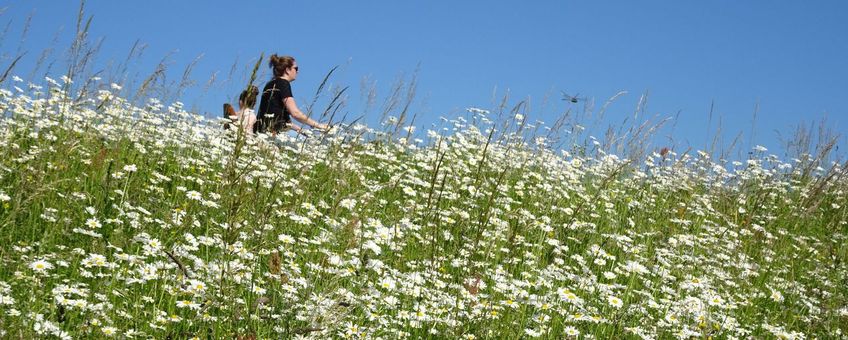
x: 787, y: 57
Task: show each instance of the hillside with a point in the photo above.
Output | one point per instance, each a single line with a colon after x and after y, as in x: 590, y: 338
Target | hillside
x: 152, y: 222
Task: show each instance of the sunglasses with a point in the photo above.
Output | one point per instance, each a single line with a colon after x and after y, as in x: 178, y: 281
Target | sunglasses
x: 297, y: 68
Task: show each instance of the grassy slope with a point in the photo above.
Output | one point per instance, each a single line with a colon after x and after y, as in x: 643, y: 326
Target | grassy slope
x: 124, y: 219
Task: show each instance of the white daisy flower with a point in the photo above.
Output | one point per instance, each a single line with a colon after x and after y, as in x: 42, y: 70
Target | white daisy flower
x: 614, y: 301
x: 40, y: 266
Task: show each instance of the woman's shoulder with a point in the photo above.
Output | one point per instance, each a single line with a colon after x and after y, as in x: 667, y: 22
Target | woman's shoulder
x: 277, y: 83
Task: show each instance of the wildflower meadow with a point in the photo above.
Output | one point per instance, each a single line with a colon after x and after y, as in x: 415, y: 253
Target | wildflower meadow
x: 147, y: 221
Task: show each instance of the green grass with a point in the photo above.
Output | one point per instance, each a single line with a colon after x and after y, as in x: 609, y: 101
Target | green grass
x: 463, y: 235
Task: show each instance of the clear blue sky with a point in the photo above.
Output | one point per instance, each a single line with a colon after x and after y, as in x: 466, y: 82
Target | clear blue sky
x: 791, y: 57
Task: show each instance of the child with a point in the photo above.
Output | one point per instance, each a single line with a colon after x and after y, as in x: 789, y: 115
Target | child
x: 244, y: 117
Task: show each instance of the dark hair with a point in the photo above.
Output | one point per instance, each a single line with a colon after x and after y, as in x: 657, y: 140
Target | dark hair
x: 280, y: 64
x: 248, y: 97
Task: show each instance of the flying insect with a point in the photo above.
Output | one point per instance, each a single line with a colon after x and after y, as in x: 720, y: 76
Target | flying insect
x: 573, y: 99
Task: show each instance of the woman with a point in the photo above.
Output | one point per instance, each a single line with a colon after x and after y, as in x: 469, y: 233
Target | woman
x: 277, y: 106
x: 245, y: 114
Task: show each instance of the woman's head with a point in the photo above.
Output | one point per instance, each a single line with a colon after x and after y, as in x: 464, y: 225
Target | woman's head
x: 247, y: 98
x: 283, y: 66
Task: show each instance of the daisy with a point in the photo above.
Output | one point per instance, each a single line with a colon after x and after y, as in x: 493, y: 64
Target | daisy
x: 92, y: 223
x: 109, y: 331
x: 194, y: 195
x: 40, y: 266
x: 532, y: 333
x: 303, y: 220
x: 286, y: 239
x: 715, y: 300
x: 188, y: 304
x: 671, y: 318
x: 614, y: 301
x: 571, y: 331
x: 348, y: 203
x: 197, y: 286
x: 391, y: 300
x: 387, y: 283
x: 510, y: 303
x: 570, y: 297
x: 409, y: 191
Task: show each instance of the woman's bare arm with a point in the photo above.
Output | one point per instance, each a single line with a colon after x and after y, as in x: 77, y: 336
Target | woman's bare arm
x: 295, y: 112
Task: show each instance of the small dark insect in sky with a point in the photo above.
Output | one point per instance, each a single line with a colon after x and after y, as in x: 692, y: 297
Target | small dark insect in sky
x: 573, y: 99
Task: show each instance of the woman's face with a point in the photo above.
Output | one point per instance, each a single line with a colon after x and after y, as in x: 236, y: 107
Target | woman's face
x: 292, y: 71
